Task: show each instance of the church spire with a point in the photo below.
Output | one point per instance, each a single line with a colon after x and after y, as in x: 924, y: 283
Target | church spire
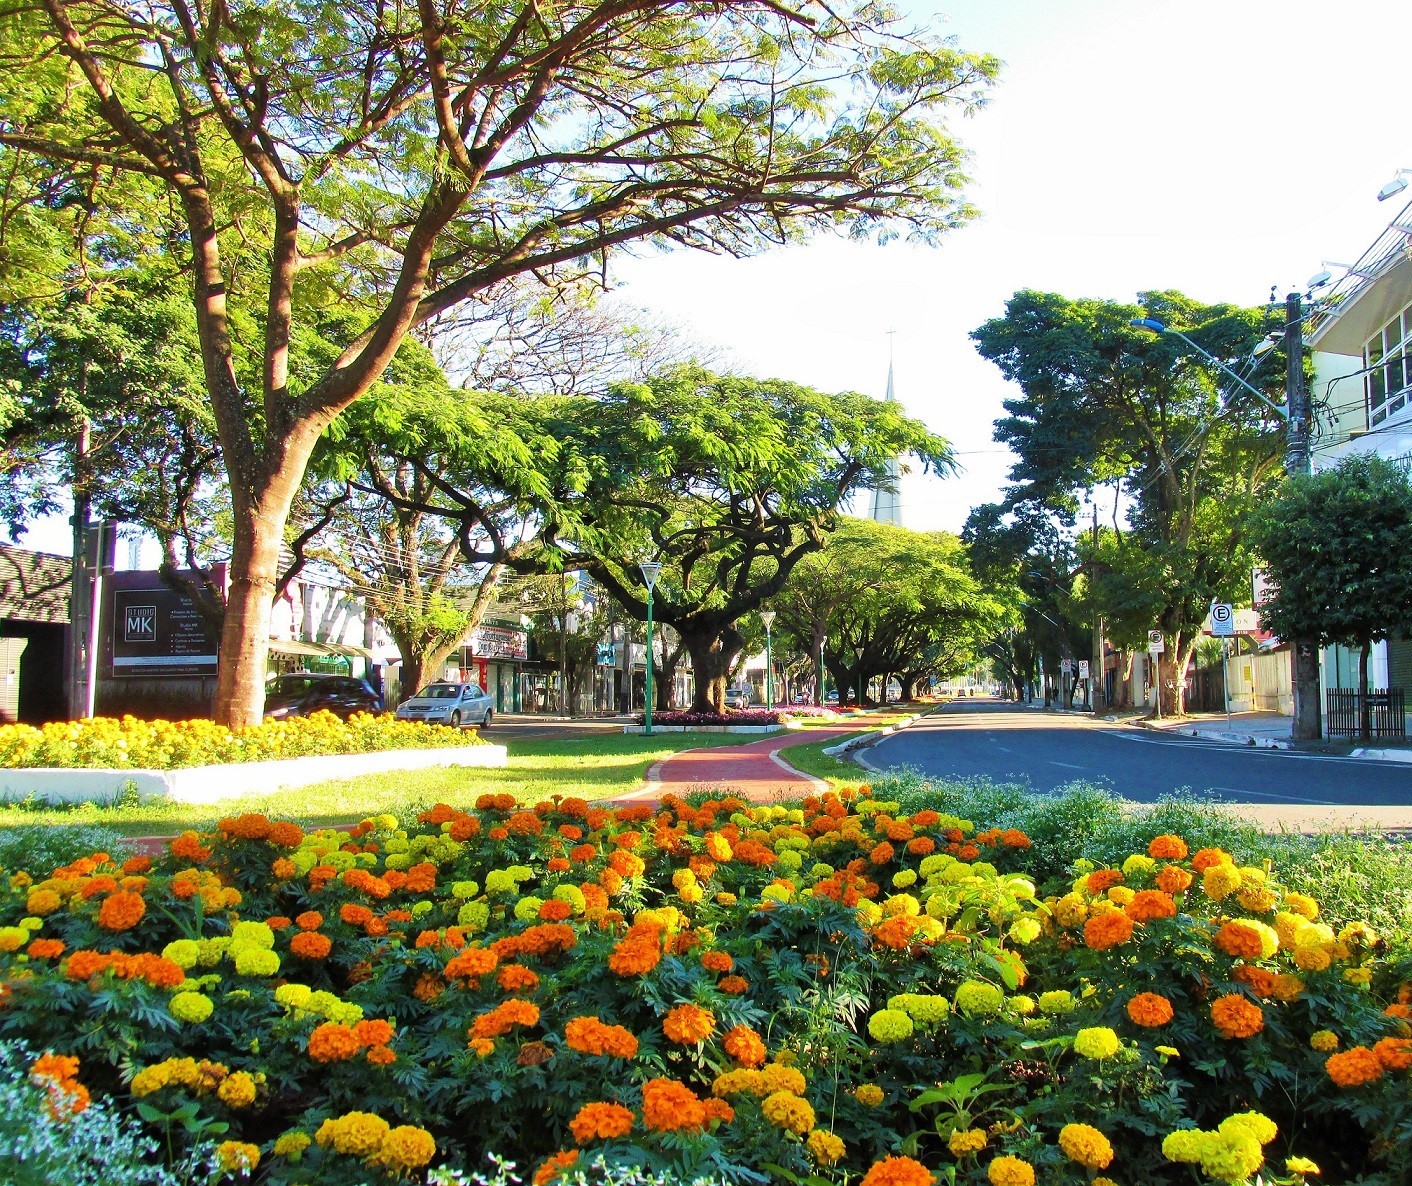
x: 887, y: 504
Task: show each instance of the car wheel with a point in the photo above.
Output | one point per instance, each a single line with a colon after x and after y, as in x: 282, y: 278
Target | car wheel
x: 485, y: 723
x: 456, y: 718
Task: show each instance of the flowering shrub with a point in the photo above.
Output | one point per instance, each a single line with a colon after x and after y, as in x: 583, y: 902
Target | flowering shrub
x: 129, y: 743
x: 750, y: 716
x: 802, y: 711
x: 837, y: 989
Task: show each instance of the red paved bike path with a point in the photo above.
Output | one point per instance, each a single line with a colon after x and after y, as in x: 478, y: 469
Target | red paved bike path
x: 753, y: 771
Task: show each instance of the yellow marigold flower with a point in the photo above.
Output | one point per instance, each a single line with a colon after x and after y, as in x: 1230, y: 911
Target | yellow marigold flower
x: 1010, y: 1171
x: 256, y: 961
x: 182, y: 952
x: 13, y: 938
x: 238, y: 1157
x: 824, y: 1147
x: 1256, y: 1124
x: 1096, y: 1042
x: 1086, y: 1145
x: 1220, y: 881
x: 237, y: 1090
x: 1184, y: 1145
x: 976, y: 998
x: 965, y: 1141
x: 1070, y: 910
x: 1311, y: 959
x: 42, y: 901
x: 787, y: 1111
x: 1300, y: 1165
x: 1121, y: 894
x: 291, y: 1145
x: 405, y: 1148
x: 1362, y: 977
x: 1305, y: 906
x: 191, y: 1007
x: 1168, y: 1051
x: 358, y: 1133
x: 870, y: 1095
x: 890, y: 1025
x: 1324, y: 1041
x: 1057, y: 1001
x: 1232, y: 1156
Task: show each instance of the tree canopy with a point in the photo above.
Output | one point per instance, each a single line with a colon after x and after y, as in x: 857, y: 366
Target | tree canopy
x: 392, y: 163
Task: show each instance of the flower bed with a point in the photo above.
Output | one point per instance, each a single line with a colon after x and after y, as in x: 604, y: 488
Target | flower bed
x: 718, y: 989
x: 695, y: 720
x: 129, y: 743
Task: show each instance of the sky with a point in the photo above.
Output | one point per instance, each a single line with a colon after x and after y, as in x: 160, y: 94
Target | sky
x: 1216, y: 148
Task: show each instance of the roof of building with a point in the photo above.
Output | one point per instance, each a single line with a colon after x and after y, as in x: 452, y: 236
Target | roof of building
x: 1373, y: 290
x: 34, y: 586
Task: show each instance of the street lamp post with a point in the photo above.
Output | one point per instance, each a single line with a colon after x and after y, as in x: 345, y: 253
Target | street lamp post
x: 767, y: 618
x: 858, y: 651
x: 650, y: 571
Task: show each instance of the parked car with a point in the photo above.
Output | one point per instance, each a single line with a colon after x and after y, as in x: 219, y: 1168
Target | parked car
x: 738, y: 697
x: 449, y: 704
x: 302, y: 692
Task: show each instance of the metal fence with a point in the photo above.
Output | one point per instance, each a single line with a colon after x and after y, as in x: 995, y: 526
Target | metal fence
x: 1382, y: 712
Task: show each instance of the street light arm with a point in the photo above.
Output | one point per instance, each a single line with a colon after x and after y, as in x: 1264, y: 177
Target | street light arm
x: 1157, y: 327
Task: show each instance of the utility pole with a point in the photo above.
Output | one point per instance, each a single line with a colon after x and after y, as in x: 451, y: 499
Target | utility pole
x: 1098, y: 696
x: 1308, y: 725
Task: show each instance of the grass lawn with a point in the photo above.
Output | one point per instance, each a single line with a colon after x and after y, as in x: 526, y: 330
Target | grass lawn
x: 592, y: 767
x: 811, y: 759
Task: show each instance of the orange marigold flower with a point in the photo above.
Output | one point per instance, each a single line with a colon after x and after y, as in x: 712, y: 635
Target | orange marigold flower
x: 1150, y: 1009
x: 1168, y: 848
x: 286, y: 834
x: 121, y: 911
x: 745, y: 1046
x: 1258, y: 980
x: 1395, y: 1054
x: 897, y: 1171
x: 1237, y: 1017
x: 1238, y: 940
x: 689, y: 1024
x: 1149, y: 904
x: 1207, y: 857
x: 333, y: 1042
x: 1103, y: 880
x: 1103, y: 931
x: 428, y: 987
x: 373, y: 1031
x: 637, y: 952
x: 516, y: 978
x: 381, y: 1056
x: 588, y: 1035
x: 602, y: 1122
x: 250, y: 826
x: 921, y: 846
x: 188, y: 847
x: 547, y: 938
x: 474, y: 961
x: 278, y: 922
x: 1173, y: 880
x: 504, y: 1017
x: 84, y: 965
x: 45, y: 949
x: 1353, y: 1068
x: 355, y: 914
x: 718, y: 962
x: 733, y: 985
x: 550, y: 1169
x: 668, y: 1106
x: 137, y: 865
x: 310, y: 920
x: 1014, y: 838
x: 555, y: 910
x: 882, y: 853
x: 283, y: 869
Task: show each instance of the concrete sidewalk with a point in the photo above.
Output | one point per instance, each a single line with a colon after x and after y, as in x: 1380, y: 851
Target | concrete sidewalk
x: 1268, y: 730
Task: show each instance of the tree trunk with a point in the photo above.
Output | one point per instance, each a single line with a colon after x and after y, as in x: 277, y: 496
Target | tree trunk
x: 712, y: 654
x: 909, y: 688
x: 820, y: 636
x: 1365, y: 719
x: 422, y: 662
x: 666, y: 678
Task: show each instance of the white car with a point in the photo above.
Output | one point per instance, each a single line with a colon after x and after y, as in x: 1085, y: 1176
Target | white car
x: 738, y: 698
x: 449, y: 704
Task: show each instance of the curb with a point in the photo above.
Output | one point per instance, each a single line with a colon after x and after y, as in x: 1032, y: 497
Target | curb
x: 1383, y: 755
x: 847, y: 748
x: 1249, y: 740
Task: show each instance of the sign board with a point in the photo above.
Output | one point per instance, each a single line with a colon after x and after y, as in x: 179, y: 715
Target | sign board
x: 156, y: 631
x: 499, y: 642
x: 1083, y: 669
x: 1222, y: 619
x: 1247, y: 621
x: 1156, y: 642
x: 1066, y: 665
x: 1261, y: 588
x: 607, y: 655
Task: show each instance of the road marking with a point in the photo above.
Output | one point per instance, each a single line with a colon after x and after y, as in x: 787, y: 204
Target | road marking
x: 1004, y: 749
x: 1068, y: 765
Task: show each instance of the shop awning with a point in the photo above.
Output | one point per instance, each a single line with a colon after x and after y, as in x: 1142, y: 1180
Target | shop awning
x: 297, y: 646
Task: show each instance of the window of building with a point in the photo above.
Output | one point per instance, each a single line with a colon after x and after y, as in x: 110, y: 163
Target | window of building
x: 1389, y: 369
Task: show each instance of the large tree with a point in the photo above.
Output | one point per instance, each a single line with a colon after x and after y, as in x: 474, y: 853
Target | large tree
x: 1188, y: 451
x: 1335, y: 546
x: 729, y: 482
x: 399, y: 161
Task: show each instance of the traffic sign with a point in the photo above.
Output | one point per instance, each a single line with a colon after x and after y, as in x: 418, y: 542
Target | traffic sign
x: 1066, y: 665
x: 1222, y: 619
x: 1083, y: 669
x: 1156, y: 642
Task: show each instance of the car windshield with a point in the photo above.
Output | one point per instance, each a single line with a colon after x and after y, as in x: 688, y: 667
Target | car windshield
x: 439, y: 692
x: 292, y: 685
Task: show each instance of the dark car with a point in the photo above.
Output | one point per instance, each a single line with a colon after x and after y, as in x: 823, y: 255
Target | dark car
x: 305, y: 692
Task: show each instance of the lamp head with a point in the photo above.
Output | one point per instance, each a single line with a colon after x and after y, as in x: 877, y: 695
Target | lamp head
x: 1319, y: 279
x: 1148, y: 323
x: 767, y: 619
x: 651, y: 569
x: 1393, y: 187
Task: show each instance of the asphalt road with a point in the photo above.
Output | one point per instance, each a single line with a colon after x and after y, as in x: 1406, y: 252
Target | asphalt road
x: 1007, y: 743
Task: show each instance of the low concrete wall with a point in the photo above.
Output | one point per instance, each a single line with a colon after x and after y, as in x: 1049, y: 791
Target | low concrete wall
x: 209, y: 784
x: 708, y: 728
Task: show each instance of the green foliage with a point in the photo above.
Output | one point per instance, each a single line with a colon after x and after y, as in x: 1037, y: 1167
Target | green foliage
x: 1335, y: 546
x: 40, y: 847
